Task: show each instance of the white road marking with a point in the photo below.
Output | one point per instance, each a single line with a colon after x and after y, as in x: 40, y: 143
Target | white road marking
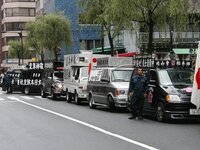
x: 38, y: 97
x: 13, y: 98
x: 1, y: 99
x: 8, y: 102
x: 27, y: 97
x: 90, y: 126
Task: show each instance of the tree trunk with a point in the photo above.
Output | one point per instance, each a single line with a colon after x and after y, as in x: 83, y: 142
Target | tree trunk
x: 42, y: 55
x: 19, y: 59
x: 55, y: 53
x: 102, y: 38
x: 111, y: 44
x: 150, y: 26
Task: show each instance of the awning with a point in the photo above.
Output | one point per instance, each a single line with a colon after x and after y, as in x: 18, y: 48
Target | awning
x: 184, y: 51
x: 129, y: 54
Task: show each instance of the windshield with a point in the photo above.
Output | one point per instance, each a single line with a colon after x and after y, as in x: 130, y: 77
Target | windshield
x: 58, y: 76
x: 176, y: 77
x: 121, y: 75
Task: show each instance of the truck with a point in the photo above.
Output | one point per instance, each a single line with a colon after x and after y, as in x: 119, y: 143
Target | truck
x: 76, y: 70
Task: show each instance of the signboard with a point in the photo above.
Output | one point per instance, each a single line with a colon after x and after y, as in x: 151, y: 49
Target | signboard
x: 195, y: 98
x: 113, y: 61
x: 95, y: 75
x: 35, y: 65
x: 173, y: 63
x: 144, y: 62
x: 149, y: 62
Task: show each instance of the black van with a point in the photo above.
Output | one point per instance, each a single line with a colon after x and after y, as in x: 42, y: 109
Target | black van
x: 169, y: 92
x: 30, y: 81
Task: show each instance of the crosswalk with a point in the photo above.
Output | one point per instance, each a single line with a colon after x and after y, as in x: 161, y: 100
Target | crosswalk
x: 13, y: 98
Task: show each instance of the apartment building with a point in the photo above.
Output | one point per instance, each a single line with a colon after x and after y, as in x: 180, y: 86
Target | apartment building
x: 14, y: 15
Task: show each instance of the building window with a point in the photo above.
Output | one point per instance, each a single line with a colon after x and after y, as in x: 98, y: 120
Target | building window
x: 8, y: 1
x: 89, y: 44
x: 12, y: 12
x: 14, y: 26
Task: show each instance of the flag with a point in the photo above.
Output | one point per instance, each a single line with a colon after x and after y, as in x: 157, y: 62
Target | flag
x: 195, y: 98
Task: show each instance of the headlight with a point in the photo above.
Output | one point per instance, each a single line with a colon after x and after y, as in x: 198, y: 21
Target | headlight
x: 173, y: 99
x: 59, y: 85
x: 119, y: 92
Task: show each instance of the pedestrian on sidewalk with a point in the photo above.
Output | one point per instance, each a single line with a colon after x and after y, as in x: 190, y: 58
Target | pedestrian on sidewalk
x: 137, y: 92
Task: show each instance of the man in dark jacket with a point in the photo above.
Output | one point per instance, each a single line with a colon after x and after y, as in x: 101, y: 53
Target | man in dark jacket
x: 7, y: 82
x: 137, y: 92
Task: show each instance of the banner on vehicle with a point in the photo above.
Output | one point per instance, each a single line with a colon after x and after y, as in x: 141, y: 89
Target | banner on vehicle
x: 195, y: 98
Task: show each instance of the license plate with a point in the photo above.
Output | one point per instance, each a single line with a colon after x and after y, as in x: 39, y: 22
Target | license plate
x: 194, y: 111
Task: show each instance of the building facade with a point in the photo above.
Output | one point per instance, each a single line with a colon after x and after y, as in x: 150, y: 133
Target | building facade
x: 84, y: 37
x: 14, y: 15
x: 172, y: 40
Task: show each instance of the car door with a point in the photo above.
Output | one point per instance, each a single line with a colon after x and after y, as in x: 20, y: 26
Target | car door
x: 103, y: 87
x: 150, y: 101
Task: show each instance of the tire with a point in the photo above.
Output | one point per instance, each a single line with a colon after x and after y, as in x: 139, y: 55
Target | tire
x: 68, y: 97
x: 160, y: 112
x: 43, y: 94
x: 27, y: 90
x: 76, y: 99
x: 53, y: 96
x: 91, y: 102
x: 110, y: 104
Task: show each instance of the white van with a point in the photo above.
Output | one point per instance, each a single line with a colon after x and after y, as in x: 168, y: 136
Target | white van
x: 76, y: 70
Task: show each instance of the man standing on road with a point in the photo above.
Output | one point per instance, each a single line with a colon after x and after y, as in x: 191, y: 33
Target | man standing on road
x: 137, y: 92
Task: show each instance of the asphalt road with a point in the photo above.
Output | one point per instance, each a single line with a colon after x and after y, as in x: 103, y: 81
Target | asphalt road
x: 35, y: 123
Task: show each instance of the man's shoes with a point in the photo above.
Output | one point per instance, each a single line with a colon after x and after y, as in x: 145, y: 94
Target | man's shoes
x: 140, y: 118
x: 132, y: 117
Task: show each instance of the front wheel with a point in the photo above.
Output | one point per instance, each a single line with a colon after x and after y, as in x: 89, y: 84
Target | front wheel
x: 111, y: 104
x: 160, y: 112
x: 76, y: 99
x: 91, y: 102
x: 53, y: 95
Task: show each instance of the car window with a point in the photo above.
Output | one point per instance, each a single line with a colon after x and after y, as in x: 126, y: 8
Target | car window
x: 121, y: 75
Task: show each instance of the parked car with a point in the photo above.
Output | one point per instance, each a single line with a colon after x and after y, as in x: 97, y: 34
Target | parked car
x: 52, y: 83
x: 169, y: 94
x: 108, y: 87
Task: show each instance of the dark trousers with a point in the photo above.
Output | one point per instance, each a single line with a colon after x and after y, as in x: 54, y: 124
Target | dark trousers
x: 137, y: 103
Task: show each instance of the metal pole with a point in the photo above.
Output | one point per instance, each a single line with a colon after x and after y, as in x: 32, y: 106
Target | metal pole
x: 22, y: 47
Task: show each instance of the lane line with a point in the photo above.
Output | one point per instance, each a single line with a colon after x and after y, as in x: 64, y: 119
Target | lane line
x: 27, y: 97
x: 38, y: 97
x: 91, y: 126
x: 1, y: 99
x: 13, y: 98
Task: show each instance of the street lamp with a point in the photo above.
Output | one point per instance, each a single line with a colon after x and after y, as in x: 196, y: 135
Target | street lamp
x: 21, y: 38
